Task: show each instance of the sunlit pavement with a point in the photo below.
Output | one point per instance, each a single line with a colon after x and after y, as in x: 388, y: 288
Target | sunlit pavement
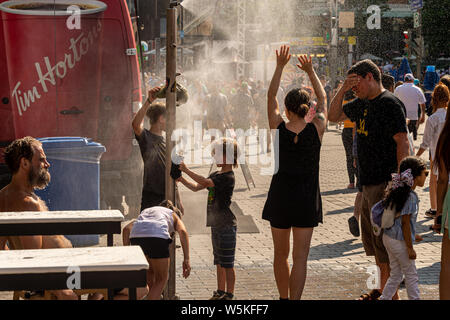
x: 337, y: 264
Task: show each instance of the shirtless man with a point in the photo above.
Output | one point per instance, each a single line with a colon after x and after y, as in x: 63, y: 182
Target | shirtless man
x: 26, y: 160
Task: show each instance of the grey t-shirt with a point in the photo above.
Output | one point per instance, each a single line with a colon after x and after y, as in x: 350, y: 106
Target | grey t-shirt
x: 153, y: 151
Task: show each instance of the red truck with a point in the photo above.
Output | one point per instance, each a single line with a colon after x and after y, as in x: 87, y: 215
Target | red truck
x: 73, y: 74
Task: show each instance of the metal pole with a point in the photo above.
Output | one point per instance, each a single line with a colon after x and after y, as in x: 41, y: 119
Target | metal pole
x: 334, y: 42
x: 141, y: 57
x: 182, y: 36
x: 158, y: 56
x: 420, y: 48
x: 265, y: 63
x: 171, y: 66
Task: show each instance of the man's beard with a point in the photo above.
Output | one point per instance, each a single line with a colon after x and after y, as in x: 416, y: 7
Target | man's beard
x: 40, y: 179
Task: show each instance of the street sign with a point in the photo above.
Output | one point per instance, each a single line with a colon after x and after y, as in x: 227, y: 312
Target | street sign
x: 346, y: 19
x: 352, y: 40
x: 416, y: 19
x: 416, y: 4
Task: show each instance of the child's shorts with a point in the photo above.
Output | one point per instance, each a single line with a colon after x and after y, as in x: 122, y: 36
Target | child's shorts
x: 153, y: 248
x: 224, y: 245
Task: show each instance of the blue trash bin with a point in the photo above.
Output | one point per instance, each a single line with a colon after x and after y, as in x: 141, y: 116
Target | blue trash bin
x: 75, y: 178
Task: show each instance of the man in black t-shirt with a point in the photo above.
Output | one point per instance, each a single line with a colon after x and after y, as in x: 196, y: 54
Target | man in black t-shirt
x: 382, y: 145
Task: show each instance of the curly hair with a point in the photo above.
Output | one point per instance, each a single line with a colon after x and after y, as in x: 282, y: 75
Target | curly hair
x: 18, y: 149
x: 398, y: 197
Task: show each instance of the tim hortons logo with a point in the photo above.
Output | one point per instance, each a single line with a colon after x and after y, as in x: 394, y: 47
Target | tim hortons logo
x: 48, y: 73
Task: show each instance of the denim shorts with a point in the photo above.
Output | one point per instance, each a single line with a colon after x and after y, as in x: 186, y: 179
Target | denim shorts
x: 224, y: 245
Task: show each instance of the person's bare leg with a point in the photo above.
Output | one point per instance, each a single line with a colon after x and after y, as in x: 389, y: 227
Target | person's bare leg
x: 281, y: 265
x: 160, y: 268
x: 126, y: 233
x: 444, y: 277
x: 300, y: 252
x: 231, y: 279
x: 433, y: 191
x: 221, y: 278
x: 150, y: 275
x: 357, y: 206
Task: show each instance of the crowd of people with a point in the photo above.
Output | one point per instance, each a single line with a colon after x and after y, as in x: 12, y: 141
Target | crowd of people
x: 380, y: 158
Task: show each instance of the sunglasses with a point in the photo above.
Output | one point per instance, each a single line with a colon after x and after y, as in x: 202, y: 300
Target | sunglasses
x: 427, y: 173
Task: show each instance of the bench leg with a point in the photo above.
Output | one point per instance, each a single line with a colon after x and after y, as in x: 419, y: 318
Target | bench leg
x: 16, y: 295
x: 110, y: 294
x: 132, y: 293
x: 110, y: 240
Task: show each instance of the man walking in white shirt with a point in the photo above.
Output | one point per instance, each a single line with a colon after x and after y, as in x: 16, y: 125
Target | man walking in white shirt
x: 412, y: 96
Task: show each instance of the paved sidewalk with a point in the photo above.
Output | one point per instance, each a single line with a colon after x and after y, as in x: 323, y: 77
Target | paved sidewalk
x: 337, y: 264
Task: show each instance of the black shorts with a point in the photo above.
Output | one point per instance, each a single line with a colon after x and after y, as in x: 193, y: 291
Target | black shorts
x: 154, y: 248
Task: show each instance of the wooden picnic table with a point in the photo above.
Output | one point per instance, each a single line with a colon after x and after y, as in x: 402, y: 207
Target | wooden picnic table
x: 76, y: 222
x: 48, y: 269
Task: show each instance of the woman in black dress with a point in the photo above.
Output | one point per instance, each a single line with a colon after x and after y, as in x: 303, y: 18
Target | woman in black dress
x: 294, y: 201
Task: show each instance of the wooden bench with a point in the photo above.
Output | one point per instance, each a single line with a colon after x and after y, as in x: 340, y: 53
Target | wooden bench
x: 78, y: 222
x: 49, y: 269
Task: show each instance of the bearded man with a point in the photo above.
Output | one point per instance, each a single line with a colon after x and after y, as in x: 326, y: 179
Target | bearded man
x: 28, y: 164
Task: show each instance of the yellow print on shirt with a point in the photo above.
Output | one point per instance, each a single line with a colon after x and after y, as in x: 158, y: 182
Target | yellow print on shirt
x: 362, y: 125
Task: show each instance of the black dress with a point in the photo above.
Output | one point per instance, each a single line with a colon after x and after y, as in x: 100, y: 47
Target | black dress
x: 294, y: 196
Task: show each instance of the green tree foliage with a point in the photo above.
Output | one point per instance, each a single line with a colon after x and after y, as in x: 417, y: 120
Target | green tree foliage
x: 375, y: 41
x: 435, y: 27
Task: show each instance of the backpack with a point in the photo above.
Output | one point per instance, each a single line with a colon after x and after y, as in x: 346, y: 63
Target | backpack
x: 382, y: 218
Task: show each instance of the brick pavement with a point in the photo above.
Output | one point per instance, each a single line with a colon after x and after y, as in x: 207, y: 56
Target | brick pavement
x: 337, y: 263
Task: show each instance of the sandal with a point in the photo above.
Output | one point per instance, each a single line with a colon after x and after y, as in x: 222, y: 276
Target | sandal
x: 353, y: 226
x: 430, y: 213
x: 372, y: 295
